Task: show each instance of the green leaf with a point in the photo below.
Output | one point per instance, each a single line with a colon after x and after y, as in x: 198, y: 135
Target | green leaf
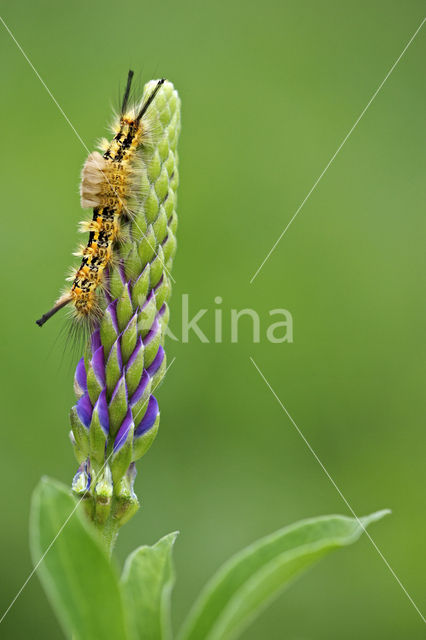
x: 147, y: 582
x: 138, y: 220
x: 140, y: 288
x: 93, y: 385
x: 157, y: 267
x: 113, y: 369
x: 124, y: 308
x: 121, y: 458
x: 80, y: 582
x: 169, y: 246
x: 162, y: 291
x: 116, y: 284
x: 128, y: 338
x: 133, y: 264
x: 151, y: 346
x: 81, y: 435
x: 142, y: 443
x: 255, y: 576
x: 162, y: 186
x: 147, y: 245
x: 160, y: 224
x: 108, y: 332
x: 146, y: 317
x: 117, y: 407
x: 134, y: 372
x: 97, y: 439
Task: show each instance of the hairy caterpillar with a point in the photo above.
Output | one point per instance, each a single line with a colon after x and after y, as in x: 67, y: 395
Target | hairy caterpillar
x: 107, y: 183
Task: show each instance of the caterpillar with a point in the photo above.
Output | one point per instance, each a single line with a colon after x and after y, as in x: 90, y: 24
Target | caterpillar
x: 108, y: 182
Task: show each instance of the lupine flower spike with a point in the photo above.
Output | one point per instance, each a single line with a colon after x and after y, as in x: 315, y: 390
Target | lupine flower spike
x: 116, y: 417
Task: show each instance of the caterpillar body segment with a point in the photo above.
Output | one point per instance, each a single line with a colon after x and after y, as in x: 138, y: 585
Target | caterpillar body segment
x: 109, y: 185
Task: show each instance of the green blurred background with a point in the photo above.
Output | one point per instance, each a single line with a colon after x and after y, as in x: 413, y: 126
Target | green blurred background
x: 269, y: 91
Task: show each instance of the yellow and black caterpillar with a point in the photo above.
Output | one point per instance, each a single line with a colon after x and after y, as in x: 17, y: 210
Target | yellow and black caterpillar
x: 108, y: 182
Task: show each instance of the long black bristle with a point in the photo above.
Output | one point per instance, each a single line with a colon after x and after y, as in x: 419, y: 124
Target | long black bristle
x: 150, y: 99
x: 127, y: 92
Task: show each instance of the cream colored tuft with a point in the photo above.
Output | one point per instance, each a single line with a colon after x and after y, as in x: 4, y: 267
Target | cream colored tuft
x: 92, y: 180
x: 103, y: 144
